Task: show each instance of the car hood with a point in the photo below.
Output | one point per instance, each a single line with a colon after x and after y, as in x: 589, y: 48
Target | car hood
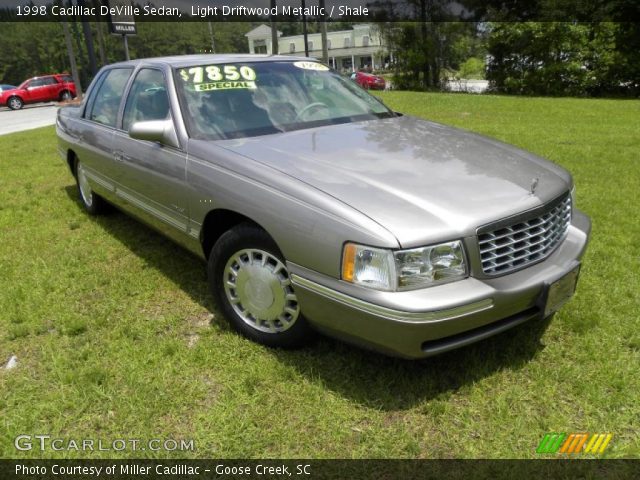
x: 9, y: 91
x: 423, y: 181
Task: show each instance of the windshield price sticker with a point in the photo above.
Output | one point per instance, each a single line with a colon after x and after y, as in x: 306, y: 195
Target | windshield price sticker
x: 311, y: 66
x: 219, y: 77
x: 207, y: 87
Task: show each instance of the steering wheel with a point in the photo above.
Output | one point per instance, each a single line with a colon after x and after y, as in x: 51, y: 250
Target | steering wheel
x: 310, y: 107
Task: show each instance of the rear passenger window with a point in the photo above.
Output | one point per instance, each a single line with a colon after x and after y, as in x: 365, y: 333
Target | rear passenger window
x: 107, y: 100
x: 147, y: 99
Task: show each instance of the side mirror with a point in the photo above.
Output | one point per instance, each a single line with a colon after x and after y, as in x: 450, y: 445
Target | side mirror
x: 161, y: 131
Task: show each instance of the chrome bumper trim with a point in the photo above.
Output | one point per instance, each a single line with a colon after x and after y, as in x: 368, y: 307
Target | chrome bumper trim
x: 389, y: 313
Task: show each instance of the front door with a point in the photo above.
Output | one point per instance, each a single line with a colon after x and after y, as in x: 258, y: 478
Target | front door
x: 152, y: 177
x: 36, y: 91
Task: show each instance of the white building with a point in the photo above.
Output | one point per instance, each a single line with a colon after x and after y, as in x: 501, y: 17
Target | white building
x: 349, y: 50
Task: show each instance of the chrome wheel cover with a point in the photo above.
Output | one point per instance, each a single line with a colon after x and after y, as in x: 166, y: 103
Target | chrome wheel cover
x: 85, y: 188
x: 259, y: 289
x: 14, y: 103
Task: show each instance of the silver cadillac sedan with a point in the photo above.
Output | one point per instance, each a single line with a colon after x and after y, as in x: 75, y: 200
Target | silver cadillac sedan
x: 317, y: 208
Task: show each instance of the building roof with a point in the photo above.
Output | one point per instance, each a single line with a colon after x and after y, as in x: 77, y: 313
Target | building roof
x: 261, y: 31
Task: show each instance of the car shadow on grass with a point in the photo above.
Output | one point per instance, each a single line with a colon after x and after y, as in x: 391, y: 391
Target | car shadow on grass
x: 389, y: 384
x: 368, y: 378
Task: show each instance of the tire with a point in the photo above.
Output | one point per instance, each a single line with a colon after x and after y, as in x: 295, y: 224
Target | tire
x: 15, y: 103
x: 65, y: 96
x: 251, y: 285
x: 93, y: 203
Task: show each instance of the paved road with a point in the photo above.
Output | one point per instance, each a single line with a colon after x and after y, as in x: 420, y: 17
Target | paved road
x: 31, y: 116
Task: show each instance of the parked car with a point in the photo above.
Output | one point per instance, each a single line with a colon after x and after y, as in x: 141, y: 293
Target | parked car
x: 47, y: 88
x: 316, y: 207
x: 368, y: 80
x: 4, y: 86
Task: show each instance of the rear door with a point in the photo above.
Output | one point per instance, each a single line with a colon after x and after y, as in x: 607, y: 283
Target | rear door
x: 95, y: 130
x: 151, y: 176
x: 52, y: 88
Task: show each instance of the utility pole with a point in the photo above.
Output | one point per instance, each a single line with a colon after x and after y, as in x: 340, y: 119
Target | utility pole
x: 213, y: 44
x: 304, y: 30
x: 72, y: 60
x: 323, y: 34
x: 274, y: 31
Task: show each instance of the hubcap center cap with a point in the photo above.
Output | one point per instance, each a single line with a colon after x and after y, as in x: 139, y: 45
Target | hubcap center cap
x: 259, y: 295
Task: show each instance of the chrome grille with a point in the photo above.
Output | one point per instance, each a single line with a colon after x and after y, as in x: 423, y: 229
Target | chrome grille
x: 514, y: 246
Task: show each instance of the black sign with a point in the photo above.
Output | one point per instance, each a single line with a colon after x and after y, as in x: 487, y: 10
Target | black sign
x: 121, y: 17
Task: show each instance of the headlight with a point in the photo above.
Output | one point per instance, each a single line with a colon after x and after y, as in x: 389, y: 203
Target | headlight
x: 368, y: 266
x: 403, y: 269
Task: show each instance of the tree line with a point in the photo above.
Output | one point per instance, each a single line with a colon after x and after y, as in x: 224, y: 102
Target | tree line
x: 531, y: 58
x: 35, y: 48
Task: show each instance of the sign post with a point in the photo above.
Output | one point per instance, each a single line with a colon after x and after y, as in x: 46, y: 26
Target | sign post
x: 122, y: 21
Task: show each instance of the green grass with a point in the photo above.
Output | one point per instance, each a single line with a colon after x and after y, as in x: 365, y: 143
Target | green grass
x: 117, y: 337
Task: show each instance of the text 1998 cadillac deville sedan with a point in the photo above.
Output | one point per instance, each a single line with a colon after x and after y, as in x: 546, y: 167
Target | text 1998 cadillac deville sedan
x: 317, y: 207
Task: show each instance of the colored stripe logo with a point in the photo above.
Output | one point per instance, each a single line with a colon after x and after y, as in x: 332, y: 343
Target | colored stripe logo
x: 574, y: 443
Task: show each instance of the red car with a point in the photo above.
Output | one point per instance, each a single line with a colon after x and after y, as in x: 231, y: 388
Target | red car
x: 368, y: 80
x: 48, y: 88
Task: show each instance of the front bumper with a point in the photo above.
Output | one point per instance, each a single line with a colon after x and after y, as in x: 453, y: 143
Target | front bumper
x: 421, y: 323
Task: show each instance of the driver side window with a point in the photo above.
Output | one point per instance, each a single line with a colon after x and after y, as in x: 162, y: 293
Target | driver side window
x: 147, y: 100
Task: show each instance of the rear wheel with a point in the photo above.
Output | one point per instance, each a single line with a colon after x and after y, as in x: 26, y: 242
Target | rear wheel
x: 65, y: 96
x: 91, y: 201
x: 15, y: 103
x: 252, y: 286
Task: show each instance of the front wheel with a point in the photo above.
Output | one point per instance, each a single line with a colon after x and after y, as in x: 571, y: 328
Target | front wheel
x: 252, y: 286
x: 65, y: 96
x: 15, y: 103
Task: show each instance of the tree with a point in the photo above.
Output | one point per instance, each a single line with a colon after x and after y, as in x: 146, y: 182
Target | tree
x: 562, y: 58
x: 424, y: 51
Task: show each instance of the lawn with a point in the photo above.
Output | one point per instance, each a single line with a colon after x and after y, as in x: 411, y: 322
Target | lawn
x: 116, y: 335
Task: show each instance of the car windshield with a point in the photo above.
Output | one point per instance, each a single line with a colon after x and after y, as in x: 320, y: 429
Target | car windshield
x: 234, y: 100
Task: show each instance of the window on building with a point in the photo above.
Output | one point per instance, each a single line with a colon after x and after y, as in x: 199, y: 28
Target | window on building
x: 310, y: 46
x: 347, y: 42
x: 365, y: 40
x: 259, y: 46
x: 292, y: 47
x: 328, y: 44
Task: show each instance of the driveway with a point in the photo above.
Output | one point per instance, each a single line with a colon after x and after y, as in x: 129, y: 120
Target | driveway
x: 30, y: 116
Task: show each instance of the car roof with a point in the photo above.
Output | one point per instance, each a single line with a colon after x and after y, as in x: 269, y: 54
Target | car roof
x: 179, y: 61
